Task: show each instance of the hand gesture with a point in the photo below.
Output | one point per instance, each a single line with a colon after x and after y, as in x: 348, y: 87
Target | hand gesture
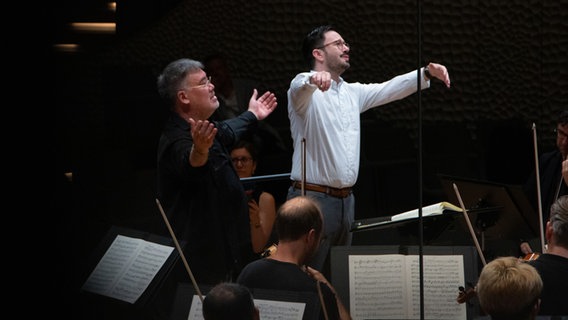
x: 440, y: 72
x: 321, y: 79
x: 262, y: 106
x: 203, y: 133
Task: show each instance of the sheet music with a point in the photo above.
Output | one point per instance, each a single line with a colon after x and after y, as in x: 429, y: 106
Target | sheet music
x: 387, y: 287
x: 268, y: 309
x: 127, y: 268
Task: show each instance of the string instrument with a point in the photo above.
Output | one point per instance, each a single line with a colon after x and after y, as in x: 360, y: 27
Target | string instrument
x: 532, y: 255
x: 270, y: 250
x: 178, y: 247
x: 541, y: 222
x: 465, y: 295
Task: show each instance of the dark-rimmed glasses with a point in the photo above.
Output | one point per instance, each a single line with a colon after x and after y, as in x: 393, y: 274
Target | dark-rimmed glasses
x: 338, y: 43
x: 243, y: 160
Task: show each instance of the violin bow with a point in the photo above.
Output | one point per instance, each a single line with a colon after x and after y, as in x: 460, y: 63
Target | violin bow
x: 539, y: 197
x: 303, y: 166
x: 464, y: 210
x: 318, y: 283
x: 178, y: 247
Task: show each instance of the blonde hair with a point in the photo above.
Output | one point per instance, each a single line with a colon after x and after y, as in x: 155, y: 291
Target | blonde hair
x: 509, y: 288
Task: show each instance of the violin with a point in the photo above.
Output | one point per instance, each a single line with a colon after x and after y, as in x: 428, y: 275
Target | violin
x: 270, y: 250
x: 466, y: 294
x: 531, y: 256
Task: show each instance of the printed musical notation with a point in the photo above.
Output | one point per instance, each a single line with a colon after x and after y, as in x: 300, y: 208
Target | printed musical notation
x: 387, y: 286
x: 268, y: 309
x: 127, y: 268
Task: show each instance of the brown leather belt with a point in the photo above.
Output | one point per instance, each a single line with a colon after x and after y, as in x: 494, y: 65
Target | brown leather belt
x: 334, y: 192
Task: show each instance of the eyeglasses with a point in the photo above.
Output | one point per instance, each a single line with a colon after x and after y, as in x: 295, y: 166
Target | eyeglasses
x: 243, y: 160
x: 338, y: 43
x: 207, y: 82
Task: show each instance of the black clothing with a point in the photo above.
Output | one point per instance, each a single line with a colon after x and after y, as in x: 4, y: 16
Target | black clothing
x: 550, y: 171
x: 206, y: 206
x: 276, y: 275
x: 553, y: 270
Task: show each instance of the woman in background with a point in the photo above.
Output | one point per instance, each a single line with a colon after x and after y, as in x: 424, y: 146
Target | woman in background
x: 262, y: 206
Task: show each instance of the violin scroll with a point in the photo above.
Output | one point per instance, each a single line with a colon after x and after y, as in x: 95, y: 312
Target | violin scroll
x: 466, y: 294
x: 270, y: 250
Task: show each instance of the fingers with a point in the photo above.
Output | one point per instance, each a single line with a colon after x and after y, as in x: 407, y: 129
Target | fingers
x: 440, y: 72
x: 202, y: 130
x: 254, y: 94
x: 526, y: 248
x: 321, y: 79
x: 268, y: 99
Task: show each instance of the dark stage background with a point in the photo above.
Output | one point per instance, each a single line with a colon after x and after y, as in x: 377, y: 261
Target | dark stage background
x: 508, y: 62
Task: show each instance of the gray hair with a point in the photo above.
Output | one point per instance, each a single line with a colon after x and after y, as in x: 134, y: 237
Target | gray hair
x: 559, y: 220
x: 170, y: 81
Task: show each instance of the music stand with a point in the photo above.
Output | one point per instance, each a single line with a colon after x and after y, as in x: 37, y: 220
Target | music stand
x: 508, y: 215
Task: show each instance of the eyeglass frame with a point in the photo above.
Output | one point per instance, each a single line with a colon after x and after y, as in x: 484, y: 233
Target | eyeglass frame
x: 339, y: 43
x: 202, y: 85
x: 243, y: 160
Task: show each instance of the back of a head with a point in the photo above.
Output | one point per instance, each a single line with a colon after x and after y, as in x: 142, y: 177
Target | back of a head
x: 296, y: 217
x: 228, y: 301
x: 559, y: 221
x: 509, y: 288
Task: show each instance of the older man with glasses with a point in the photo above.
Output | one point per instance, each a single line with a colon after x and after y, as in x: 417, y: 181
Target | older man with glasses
x: 198, y: 187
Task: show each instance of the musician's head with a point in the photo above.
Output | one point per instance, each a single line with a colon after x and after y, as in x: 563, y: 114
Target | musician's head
x: 562, y: 133
x: 557, y: 225
x: 300, y: 220
x: 227, y: 301
x: 509, y: 288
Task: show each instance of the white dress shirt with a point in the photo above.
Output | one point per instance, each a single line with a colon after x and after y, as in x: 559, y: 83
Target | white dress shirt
x: 330, y: 123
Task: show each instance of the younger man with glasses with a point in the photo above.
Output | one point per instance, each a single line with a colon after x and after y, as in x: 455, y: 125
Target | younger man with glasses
x: 325, y: 111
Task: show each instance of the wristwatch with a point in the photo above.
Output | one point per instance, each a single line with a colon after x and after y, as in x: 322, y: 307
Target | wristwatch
x: 427, y: 73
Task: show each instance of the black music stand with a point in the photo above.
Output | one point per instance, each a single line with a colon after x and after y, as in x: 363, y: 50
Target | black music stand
x: 500, y: 213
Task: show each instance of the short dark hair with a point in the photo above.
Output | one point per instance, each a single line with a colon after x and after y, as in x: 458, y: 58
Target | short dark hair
x: 249, y: 146
x: 227, y: 301
x: 313, y: 40
x: 296, y: 217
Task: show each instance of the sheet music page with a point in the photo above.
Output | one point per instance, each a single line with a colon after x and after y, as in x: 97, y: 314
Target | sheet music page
x: 377, y: 286
x: 379, y: 289
x: 443, y: 274
x: 280, y: 310
x: 268, y: 309
x: 127, y: 268
x: 196, y: 309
